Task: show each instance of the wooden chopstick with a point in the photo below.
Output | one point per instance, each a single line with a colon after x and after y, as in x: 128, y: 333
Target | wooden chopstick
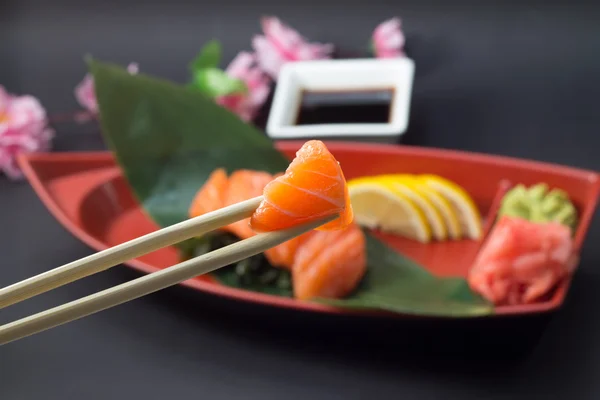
x: 116, y: 255
x: 150, y: 283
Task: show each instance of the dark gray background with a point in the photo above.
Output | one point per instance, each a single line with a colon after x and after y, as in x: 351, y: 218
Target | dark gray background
x: 515, y: 78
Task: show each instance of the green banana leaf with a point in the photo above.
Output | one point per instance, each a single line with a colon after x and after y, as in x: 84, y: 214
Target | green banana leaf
x: 168, y: 138
x: 396, y: 283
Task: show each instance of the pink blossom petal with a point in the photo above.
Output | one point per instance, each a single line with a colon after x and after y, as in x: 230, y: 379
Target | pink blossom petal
x: 133, y: 68
x: 275, y: 31
x: 246, y: 105
x: 281, y: 44
x: 388, y: 27
x: 260, y: 94
x: 24, y: 110
x: 10, y: 168
x: 85, y: 94
x: 388, y: 39
x: 240, y: 65
x: 23, y: 130
x: 269, y: 57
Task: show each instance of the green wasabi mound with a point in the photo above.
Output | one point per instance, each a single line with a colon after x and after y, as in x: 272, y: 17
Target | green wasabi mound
x: 539, y: 204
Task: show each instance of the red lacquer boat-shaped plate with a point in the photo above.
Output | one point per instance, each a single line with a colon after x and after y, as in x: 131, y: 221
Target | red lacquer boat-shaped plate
x: 88, y: 195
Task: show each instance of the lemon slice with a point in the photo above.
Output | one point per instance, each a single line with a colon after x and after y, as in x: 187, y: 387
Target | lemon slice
x: 462, y: 204
x: 431, y: 213
x: 377, y: 204
x: 444, y: 207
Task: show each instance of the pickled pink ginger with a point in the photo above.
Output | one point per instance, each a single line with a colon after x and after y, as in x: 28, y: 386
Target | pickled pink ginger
x: 522, y: 261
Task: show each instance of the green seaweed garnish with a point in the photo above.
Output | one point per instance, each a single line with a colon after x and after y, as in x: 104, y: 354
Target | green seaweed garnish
x: 253, y: 273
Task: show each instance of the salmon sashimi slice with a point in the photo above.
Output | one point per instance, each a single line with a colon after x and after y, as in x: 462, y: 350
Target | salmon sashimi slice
x: 245, y: 184
x: 211, y: 195
x: 312, y: 187
x: 220, y: 191
x: 522, y: 261
x: 329, y: 264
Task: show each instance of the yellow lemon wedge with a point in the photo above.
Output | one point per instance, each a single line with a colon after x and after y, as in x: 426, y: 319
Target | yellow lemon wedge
x: 377, y: 204
x: 444, y: 207
x: 421, y: 200
x: 462, y: 204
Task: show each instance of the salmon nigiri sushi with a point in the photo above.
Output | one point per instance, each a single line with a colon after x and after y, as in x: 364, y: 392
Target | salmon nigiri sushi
x: 312, y: 187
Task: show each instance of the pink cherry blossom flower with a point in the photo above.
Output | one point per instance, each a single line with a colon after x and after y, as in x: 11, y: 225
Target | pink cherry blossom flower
x: 86, y: 94
x: 246, y: 105
x: 23, y: 129
x: 388, y: 39
x: 281, y: 44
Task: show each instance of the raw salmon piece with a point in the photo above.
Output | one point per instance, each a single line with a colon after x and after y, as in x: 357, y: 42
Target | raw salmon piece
x: 312, y: 187
x: 220, y: 191
x: 522, y: 261
x: 244, y: 185
x: 284, y: 254
x: 211, y: 195
x: 329, y: 264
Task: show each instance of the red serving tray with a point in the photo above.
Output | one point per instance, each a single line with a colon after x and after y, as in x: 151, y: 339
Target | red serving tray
x: 87, y: 193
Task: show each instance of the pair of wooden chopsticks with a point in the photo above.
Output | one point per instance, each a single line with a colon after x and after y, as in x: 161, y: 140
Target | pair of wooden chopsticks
x: 147, y: 284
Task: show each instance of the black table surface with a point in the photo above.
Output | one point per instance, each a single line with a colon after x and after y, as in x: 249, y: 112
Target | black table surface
x: 513, y: 79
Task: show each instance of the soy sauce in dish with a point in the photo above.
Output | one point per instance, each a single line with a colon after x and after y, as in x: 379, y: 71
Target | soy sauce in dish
x: 367, y: 106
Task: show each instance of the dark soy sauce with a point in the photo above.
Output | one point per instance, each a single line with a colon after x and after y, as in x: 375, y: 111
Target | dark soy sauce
x: 368, y: 106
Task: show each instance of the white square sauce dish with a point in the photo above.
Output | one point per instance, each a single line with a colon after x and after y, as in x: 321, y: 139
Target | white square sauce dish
x: 355, y: 99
